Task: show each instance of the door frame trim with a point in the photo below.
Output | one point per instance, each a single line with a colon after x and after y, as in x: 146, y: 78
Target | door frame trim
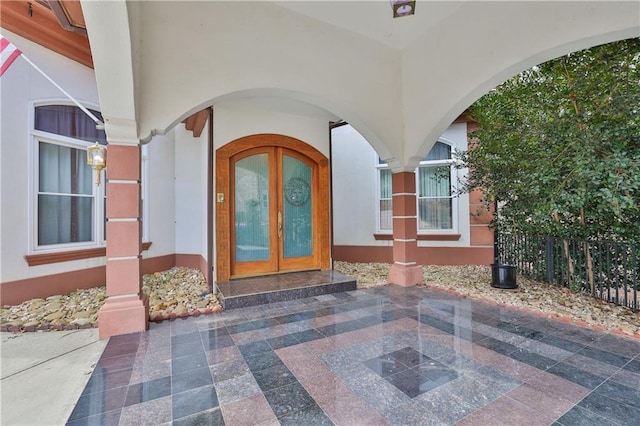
x: 223, y: 208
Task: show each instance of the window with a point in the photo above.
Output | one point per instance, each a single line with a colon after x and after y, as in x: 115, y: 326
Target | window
x: 434, y: 191
x: 436, y: 203
x: 386, y: 212
x: 69, y: 207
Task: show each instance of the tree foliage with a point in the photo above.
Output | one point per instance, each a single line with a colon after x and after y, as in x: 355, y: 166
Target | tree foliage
x: 559, y: 145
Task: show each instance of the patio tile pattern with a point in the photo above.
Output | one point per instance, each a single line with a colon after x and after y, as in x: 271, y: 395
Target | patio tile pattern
x: 381, y: 356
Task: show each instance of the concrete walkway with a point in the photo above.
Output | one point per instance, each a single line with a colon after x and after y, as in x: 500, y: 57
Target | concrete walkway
x: 43, y: 374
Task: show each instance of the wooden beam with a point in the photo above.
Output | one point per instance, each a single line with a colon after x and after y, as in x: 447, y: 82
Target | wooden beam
x: 69, y: 15
x: 200, y: 121
x: 189, y: 122
x: 42, y: 27
x: 195, y: 123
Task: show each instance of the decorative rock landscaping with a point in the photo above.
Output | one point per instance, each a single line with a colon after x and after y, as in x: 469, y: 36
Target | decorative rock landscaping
x: 181, y: 292
x: 177, y: 292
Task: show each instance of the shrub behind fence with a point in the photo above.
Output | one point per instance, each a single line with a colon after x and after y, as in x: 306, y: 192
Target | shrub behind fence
x: 606, y: 270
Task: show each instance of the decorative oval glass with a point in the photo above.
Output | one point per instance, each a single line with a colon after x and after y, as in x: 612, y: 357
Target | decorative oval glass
x: 297, y: 191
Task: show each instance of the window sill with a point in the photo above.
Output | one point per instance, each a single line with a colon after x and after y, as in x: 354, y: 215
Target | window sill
x: 438, y: 237
x: 66, y: 256
x: 421, y: 237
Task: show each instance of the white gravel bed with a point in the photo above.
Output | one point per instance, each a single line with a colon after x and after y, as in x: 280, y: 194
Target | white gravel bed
x: 475, y: 282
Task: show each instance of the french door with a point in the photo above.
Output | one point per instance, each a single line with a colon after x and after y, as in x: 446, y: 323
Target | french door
x: 274, y: 211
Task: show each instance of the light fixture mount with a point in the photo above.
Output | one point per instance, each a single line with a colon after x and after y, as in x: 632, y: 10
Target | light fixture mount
x: 403, y: 8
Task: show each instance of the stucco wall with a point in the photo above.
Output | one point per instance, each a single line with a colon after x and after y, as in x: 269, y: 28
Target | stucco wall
x: 355, y: 190
x: 21, y: 86
x: 160, y: 197
x: 233, y: 120
x: 190, y: 192
x: 354, y: 177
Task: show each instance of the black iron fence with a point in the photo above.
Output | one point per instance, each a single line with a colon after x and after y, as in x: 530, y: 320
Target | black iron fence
x: 606, y: 270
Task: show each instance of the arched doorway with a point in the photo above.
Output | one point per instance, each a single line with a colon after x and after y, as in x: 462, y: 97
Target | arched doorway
x: 272, y: 209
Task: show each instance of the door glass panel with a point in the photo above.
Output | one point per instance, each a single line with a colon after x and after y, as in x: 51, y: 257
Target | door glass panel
x: 297, y: 223
x: 252, y: 208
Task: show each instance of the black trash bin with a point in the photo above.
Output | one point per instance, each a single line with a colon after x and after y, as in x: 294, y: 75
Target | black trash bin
x: 503, y: 276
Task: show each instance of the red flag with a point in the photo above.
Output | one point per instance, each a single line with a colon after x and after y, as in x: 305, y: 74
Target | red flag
x: 8, y: 54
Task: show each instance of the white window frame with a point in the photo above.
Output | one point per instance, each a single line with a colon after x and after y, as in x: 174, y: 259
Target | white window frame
x: 453, y: 173
x: 144, y: 190
x: 454, y: 198
x: 379, y: 168
x: 98, y: 192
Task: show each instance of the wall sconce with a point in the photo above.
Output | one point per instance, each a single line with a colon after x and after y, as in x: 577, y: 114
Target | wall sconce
x: 97, y: 159
x: 403, y: 8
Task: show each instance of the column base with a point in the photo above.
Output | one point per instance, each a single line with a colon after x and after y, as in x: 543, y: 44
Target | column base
x: 406, y: 275
x: 123, y: 315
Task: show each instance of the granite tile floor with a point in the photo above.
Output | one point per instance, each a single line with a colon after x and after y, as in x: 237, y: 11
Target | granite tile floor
x: 381, y: 356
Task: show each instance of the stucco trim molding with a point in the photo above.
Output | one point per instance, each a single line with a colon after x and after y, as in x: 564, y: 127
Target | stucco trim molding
x: 421, y: 237
x: 423, y: 255
x: 66, y: 256
x: 15, y: 292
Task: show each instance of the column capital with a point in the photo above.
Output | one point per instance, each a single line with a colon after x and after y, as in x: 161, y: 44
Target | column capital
x: 121, y: 131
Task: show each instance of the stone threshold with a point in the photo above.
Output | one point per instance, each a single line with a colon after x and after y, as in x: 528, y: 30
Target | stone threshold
x: 244, y: 292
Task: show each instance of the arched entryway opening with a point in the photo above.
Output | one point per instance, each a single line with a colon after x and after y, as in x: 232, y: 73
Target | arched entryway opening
x: 272, y: 207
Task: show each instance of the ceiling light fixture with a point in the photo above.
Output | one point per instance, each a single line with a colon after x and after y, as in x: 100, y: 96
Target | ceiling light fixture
x: 403, y: 8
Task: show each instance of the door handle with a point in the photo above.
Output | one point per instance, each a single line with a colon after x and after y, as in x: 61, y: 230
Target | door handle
x: 279, y: 224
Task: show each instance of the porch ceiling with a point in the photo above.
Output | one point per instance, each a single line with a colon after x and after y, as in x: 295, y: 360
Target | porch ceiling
x: 59, y: 25
x: 400, y: 82
x: 372, y: 19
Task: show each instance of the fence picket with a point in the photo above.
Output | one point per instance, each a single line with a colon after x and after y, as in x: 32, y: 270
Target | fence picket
x: 612, y: 267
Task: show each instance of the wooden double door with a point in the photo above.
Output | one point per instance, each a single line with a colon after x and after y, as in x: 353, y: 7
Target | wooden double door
x: 278, y: 219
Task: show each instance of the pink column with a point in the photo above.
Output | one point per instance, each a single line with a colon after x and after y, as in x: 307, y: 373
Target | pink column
x: 126, y: 309
x: 405, y: 271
